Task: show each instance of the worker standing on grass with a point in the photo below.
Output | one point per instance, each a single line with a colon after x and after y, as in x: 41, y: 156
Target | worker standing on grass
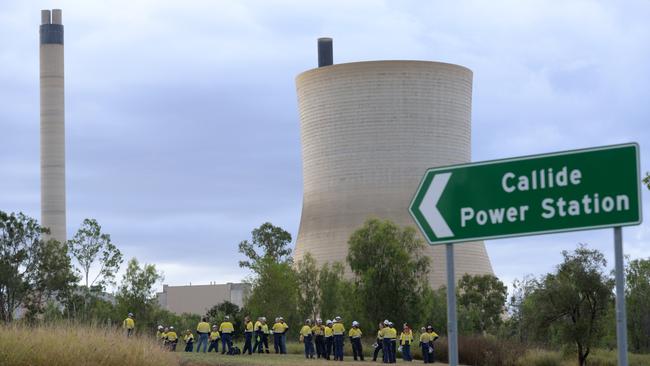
x: 189, y: 341
x: 433, y: 336
x: 283, y: 343
x: 306, y: 336
x: 319, y: 339
x: 329, y: 339
x: 393, y: 342
x: 355, y: 338
x: 266, y: 332
x: 378, y: 342
x: 248, y: 335
x: 424, y: 345
x: 277, y: 334
x: 159, y: 332
x: 203, y: 330
x: 226, y: 329
x: 339, y: 332
x: 258, y: 335
x: 214, y: 339
x: 163, y: 337
x: 172, y: 339
x: 386, y: 342
x: 405, y: 341
x: 129, y: 325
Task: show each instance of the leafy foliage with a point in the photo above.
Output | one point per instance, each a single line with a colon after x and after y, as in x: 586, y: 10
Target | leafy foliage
x: 307, y: 274
x: 387, y: 262
x: 273, y: 242
x: 637, y: 302
x: 136, y: 293
x: 481, y: 300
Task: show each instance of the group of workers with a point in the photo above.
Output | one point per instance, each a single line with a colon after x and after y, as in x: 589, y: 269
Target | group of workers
x: 321, y: 339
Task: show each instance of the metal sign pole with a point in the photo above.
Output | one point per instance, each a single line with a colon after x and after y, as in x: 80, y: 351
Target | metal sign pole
x: 452, y: 323
x: 621, y: 321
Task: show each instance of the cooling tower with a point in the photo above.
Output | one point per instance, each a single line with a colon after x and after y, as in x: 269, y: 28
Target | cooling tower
x: 369, y: 131
x: 52, y: 125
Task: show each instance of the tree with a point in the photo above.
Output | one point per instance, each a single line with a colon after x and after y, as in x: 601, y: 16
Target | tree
x: 481, y: 300
x: 90, y: 247
x: 217, y: 313
x: 576, y: 299
x: 330, y: 283
x: 390, y: 270
x: 637, y: 294
x: 31, y: 270
x: 136, y: 293
x: 273, y: 242
x: 309, y: 292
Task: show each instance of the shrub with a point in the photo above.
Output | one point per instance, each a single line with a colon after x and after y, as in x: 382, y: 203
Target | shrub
x: 540, y: 357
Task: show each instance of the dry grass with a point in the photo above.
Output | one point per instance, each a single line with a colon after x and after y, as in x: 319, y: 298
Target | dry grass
x: 69, y: 345
x: 200, y: 359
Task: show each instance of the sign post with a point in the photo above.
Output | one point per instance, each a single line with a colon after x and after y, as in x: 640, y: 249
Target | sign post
x: 550, y: 193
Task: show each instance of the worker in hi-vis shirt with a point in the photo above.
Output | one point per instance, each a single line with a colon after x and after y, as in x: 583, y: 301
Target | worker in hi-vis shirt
x: 405, y: 341
x: 129, y: 324
x: 379, y: 342
x: 338, y: 329
x: 226, y: 329
x: 203, y: 330
x: 329, y: 338
x: 248, y: 335
x: 355, y: 338
x: 279, y: 332
x: 214, y: 339
x: 319, y: 340
x: 306, y: 337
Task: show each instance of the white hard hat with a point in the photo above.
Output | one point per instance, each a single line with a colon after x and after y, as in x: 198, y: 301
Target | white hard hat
x: 338, y: 318
x: 307, y: 320
x: 171, y: 327
x: 130, y: 314
x: 390, y: 324
x: 227, y: 317
x: 160, y: 327
x: 386, y: 322
x: 328, y: 321
x: 319, y: 320
x: 355, y: 323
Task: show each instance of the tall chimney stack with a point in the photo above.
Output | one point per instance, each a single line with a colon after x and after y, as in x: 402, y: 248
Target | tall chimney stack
x: 53, y: 213
x: 325, y: 52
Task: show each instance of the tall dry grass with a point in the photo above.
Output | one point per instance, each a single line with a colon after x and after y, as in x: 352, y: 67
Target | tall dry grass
x: 69, y: 345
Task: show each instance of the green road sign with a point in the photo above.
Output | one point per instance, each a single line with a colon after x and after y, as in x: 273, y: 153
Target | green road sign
x: 564, y: 191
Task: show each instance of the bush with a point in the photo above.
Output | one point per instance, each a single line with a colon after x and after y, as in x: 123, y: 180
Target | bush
x: 540, y: 357
x: 482, y: 351
x: 66, y: 345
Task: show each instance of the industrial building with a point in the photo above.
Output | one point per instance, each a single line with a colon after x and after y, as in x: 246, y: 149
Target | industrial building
x: 369, y: 131
x: 53, y: 215
x: 198, y: 299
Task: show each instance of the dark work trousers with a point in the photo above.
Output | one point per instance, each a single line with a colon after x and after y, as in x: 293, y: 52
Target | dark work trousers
x: 357, y: 349
x: 248, y: 336
x: 380, y: 346
x: 338, y: 347
x: 265, y: 342
x: 214, y: 345
x: 226, y: 341
x: 393, y: 350
x: 277, y: 339
x: 189, y: 346
x: 320, y: 346
x: 329, y: 343
x: 425, y: 352
x: 257, y: 346
x: 386, y: 350
x: 406, y: 352
x: 309, y: 346
x: 432, y: 355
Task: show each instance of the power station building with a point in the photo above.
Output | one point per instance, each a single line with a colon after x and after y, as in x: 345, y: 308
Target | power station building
x: 369, y: 131
x: 53, y: 214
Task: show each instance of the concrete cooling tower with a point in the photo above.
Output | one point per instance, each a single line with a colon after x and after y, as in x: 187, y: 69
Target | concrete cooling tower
x: 369, y: 131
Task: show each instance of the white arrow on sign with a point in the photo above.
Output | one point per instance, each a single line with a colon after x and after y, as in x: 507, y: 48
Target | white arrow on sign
x: 429, y: 204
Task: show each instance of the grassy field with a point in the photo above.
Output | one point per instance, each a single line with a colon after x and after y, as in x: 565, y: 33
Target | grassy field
x: 200, y: 359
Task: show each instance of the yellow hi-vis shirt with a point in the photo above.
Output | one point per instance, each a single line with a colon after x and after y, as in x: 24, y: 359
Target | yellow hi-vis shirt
x: 171, y: 336
x: 406, y: 338
x: 163, y: 335
x: 317, y: 330
x: 380, y: 333
x: 305, y: 331
x: 425, y: 337
x: 203, y: 327
x: 280, y: 327
x: 265, y: 329
x: 214, y: 336
x: 129, y: 323
x: 355, y: 333
x: 433, y: 335
x: 249, y: 327
x: 226, y: 328
x: 390, y: 333
x: 189, y: 338
x: 328, y: 332
x: 258, y: 325
x: 338, y: 329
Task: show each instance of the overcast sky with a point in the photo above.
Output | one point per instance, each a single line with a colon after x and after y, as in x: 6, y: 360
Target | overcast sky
x: 182, y: 125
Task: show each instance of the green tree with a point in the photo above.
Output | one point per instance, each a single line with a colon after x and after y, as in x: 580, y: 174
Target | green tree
x: 90, y: 247
x: 521, y: 310
x: 575, y: 300
x: 307, y: 274
x: 217, y: 313
x: 637, y: 293
x: 390, y: 270
x: 273, y: 242
x: 136, y: 293
x: 481, y: 300
x: 330, y: 285
x: 32, y: 270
